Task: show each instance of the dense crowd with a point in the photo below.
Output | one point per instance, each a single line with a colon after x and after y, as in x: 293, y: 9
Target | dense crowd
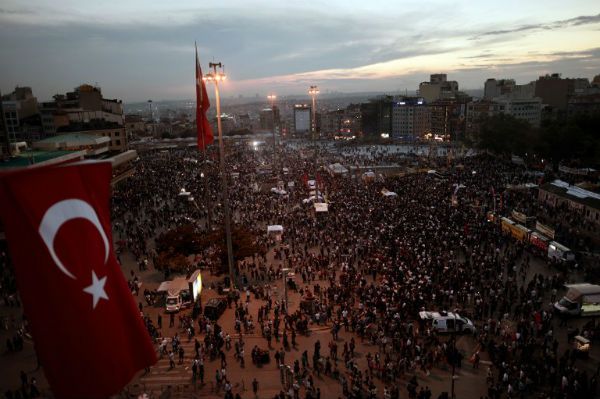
x: 365, y: 268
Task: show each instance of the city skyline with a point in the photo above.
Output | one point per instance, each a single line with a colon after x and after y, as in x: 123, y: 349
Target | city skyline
x: 136, y: 51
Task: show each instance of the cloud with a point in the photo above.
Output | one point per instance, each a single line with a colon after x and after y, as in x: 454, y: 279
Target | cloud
x: 565, y: 23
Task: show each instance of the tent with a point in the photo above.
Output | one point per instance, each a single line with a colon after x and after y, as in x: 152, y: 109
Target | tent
x: 275, y: 228
x: 368, y: 176
x: 321, y: 207
x: 337, y: 169
x: 279, y: 191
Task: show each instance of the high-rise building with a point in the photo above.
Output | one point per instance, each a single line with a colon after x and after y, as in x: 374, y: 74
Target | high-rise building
x: 586, y: 104
x: 411, y: 118
x: 527, y: 109
x: 376, y: 117
x: 269, y: 118
x: 476, y: 112
x: 448, y: 119
x: 85, y: 110
x: 438, y: 88
x: 555, y: 91
x: 4, y: 139
x: 302, y: 119
x: 495, y: 88
x: 22, y: 115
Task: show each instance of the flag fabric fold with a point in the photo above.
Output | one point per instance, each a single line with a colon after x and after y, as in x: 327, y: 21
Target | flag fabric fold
x: 89, y: 335
x: 203, y: 128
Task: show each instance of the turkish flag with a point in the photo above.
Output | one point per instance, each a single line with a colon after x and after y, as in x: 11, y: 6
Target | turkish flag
x: 205, y: 134
x: 88, y: 332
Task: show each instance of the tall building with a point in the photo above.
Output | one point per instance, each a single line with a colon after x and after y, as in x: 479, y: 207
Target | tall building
x: 269, y: 118
x: 4, y: 139
x: 438, y: 88
x: 331, y: 122
x: 411, y: 118
x: 555, y: 91
x: 302, y: 119
x: 448, y: 119
x: 586, y: 104
x: 22, y: 115
x: 85, y: 110
x: 376, y: 117
x: 527, y: 109
x: 476, y: 112
x: 495, y: 88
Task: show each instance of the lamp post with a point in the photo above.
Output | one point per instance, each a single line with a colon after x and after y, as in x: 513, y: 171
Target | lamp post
x: 151, y: 118
x: 285, y: 271
x: 272, y: 98
x: 313, y: 91
x: 453, y: 357
x: 217, y: 77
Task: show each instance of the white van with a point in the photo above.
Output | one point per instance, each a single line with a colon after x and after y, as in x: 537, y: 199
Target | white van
x: 174, y: 303
x: 448, y: 322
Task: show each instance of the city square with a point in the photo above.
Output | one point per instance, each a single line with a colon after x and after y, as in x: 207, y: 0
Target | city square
x: 374, y: 200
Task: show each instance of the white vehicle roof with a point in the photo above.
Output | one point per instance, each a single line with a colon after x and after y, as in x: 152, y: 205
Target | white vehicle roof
x: 425, y: 315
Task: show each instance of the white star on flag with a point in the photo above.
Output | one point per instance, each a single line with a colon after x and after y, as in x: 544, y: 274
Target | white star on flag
x: 96, y: 289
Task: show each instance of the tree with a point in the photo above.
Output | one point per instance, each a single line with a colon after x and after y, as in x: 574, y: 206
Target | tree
x: 185, y: 240
x: 505, y: 134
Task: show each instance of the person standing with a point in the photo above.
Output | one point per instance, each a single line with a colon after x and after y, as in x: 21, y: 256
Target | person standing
x: 171, y: 360
x: 255, y: 387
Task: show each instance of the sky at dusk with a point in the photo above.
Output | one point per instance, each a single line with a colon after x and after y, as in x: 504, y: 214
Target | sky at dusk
x: 136, y: 50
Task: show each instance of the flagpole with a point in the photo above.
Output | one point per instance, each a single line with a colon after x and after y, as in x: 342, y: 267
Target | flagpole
x: 216, y: 77
x: 204, y: 176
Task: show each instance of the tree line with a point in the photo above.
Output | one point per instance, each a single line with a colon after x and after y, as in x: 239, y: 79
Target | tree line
x: 573, y: 140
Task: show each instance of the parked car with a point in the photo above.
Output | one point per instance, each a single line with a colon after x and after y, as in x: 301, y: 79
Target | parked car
x: 215, y: 307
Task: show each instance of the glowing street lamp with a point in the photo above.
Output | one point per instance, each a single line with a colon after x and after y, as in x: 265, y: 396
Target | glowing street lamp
x: 313, y: 91
x: 216, y: 77
x: 272, y: 98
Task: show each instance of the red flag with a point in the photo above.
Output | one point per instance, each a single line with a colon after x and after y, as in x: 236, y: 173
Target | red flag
x: 89, y: 335
x: 205, y: 134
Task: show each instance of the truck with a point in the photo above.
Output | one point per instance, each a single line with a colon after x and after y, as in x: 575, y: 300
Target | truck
x: 181, y: 292
x: 560, y: 253
x: 580, y: 300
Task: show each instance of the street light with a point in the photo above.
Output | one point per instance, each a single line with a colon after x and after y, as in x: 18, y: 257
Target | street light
x: 151, y: 118
x: 313, y: 91
x: 217, y: 77
x: 272, y: 98
x: 452, y: 396
x: 285, y: 271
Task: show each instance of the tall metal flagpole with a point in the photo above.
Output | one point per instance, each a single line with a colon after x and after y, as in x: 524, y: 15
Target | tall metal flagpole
x: 204, y: 176
x: 215, y: 78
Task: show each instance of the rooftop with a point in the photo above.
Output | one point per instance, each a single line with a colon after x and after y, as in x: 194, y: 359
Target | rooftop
x: 573, y: 193
x: 28, y: 158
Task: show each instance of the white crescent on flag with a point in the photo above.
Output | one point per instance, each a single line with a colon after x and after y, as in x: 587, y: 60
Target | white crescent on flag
x: 60, y: 213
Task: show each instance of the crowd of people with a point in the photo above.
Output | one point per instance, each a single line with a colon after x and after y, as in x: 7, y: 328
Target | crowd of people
x: 362, y: 272
x: 372, y: 263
